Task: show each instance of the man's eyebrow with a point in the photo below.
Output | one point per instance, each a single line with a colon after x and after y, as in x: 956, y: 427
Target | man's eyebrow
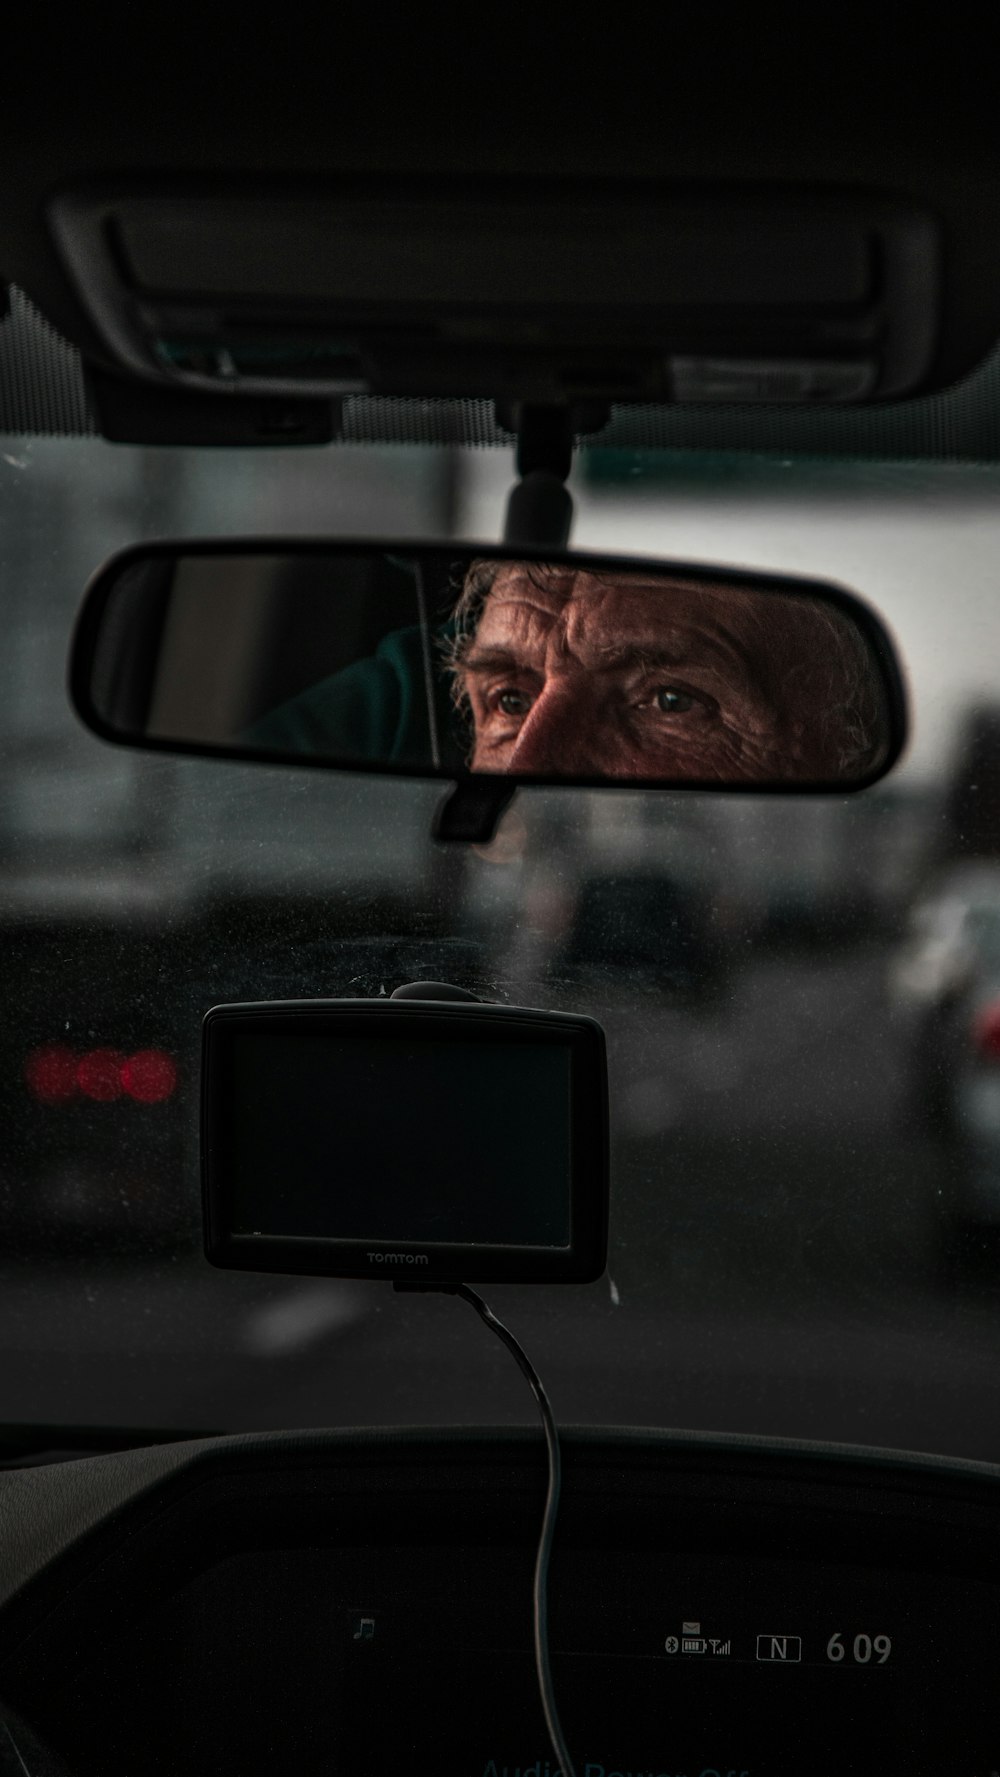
x: 613, y: 658
x: 632, y: 657
x: 698, y: 653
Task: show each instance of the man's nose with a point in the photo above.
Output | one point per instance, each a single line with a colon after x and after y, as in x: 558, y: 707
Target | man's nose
x: 561, y: 734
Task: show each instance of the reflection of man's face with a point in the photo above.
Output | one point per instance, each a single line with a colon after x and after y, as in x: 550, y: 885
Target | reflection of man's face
x: 627, y: 675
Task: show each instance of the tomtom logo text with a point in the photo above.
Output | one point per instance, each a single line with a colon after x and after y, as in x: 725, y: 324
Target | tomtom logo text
x: 397, y: 1258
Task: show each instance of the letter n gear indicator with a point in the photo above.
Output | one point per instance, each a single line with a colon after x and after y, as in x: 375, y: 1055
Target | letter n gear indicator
x: 785, y: 1649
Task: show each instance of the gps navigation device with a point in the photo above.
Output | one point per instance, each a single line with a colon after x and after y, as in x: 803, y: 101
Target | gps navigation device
x: 405, y: 1139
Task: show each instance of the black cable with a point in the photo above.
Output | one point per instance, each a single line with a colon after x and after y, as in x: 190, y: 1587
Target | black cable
x: 540, y: 1585
x: 17, y: 1749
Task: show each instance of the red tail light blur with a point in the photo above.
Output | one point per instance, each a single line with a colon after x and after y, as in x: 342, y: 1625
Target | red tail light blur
x: 56, y: 1074
x: 51, y: 1074
x: 149, y: 1076
x: 986, y: 1031
x: 99, y: 1074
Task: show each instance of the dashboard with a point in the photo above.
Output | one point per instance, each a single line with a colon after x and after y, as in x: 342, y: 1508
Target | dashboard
x: 361, y: 1603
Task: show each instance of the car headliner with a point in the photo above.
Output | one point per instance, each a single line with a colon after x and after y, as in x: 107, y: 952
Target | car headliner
x: 729, y: 94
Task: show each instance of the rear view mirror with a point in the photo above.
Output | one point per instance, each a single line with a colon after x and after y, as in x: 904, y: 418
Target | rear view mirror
x: 574, y: 669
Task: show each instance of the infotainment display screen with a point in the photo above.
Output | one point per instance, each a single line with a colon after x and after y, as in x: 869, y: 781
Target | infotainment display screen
x: 405, y: 1139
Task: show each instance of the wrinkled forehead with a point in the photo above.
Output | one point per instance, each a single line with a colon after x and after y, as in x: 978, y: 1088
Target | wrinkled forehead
x: 553, y: 587
x: 625, y: 605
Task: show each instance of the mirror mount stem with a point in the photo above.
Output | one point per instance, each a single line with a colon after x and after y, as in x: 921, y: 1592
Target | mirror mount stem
x: 540, y: 507
x: 470, y: 811
x: 539, y: 512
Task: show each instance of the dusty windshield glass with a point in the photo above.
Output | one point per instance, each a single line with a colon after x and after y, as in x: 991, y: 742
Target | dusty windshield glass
x: 801, y: 995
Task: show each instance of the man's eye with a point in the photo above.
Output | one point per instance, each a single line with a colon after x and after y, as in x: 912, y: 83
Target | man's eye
x: 513, y: 703
x: 672, y: 702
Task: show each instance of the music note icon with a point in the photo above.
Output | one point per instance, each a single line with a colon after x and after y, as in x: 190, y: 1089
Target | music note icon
x: 364, y: 1628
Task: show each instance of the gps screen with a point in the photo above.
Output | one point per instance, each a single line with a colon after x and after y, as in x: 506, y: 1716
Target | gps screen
x: 401, y: 1139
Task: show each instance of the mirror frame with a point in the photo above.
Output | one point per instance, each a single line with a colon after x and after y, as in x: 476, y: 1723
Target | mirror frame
x: 102, y: 584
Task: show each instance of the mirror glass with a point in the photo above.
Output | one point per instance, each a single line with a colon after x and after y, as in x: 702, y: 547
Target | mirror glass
x: 577, y: 668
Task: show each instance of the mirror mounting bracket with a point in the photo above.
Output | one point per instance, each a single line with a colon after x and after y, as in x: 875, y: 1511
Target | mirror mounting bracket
x: 432, y: 990
x: 471, y: 810
x: 540, y: 507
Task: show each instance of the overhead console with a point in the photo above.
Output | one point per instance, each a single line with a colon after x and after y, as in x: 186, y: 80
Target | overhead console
x: 546, y: 293
x: 324, y: 1603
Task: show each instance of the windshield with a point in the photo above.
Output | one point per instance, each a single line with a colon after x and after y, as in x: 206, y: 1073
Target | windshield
x: 805, y: 1083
